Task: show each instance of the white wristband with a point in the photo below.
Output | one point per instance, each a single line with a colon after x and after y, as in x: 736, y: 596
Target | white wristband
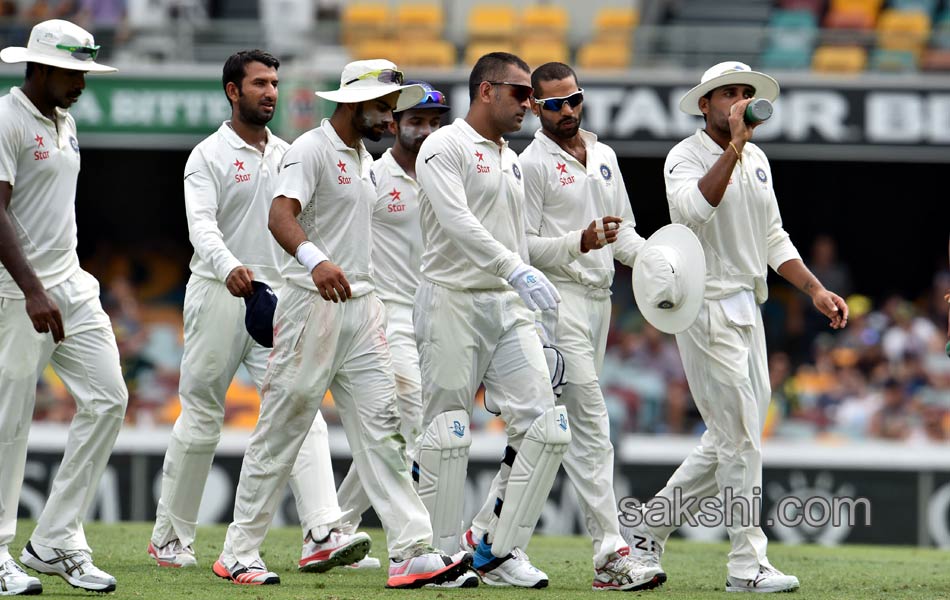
x: 310, y: 256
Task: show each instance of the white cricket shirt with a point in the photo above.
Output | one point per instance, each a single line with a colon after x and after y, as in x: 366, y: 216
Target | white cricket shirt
x: 472, y: 206
x: 40, y: 159
x: 562, y: 197
x: 229, y: 186
x: 397, y: 234
x: 332, y: 182
x: 741, y: 237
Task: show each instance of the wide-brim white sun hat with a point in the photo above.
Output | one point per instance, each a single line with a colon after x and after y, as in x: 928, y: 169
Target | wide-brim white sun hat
x: 364, y: 80
x: 669, y: 278
x: 729, y: 73
x: 58, y: 43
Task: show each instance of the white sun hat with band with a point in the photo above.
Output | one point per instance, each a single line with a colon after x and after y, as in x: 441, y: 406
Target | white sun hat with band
x: 729, y: 73
x: 58, y: 43
x: 364, y: 80
x: 669, y: 278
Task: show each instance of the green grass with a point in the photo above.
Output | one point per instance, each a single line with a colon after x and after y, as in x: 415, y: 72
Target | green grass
x: 696, y: 570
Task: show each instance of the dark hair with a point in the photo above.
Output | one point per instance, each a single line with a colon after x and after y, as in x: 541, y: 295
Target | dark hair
x: 492, y: 67
x: 235, y: 67
x: 550, y: 72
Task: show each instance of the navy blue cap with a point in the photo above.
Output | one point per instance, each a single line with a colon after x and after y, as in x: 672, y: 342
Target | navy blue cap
x: 259, y: 316
x: 433, y: 99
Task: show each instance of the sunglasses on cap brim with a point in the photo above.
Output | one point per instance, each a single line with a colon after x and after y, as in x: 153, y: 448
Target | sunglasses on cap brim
x: 80, y: 52
x: 519, y: 91
x: 555, y: 104
x: 433, y: 97
x: 389, y: 76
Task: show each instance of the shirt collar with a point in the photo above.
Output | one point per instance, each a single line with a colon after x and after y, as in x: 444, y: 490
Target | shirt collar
x: 589, y: 137
x: 17, y: 93
x: 392, y: 166
x: 237, y: 141
x: 707, y: 142
x: 476, y: 137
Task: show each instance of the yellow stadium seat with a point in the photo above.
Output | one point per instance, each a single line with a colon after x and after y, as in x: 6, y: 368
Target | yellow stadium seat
x: 364, y: 20
x: 615, y: 23
x: 428, y: 53
x: 604, y: 55
x: 850, y: 20
x: 377, y: 48
x: 491, y: 22
x: 536, y: 52
x: 544, y: 21
x: 871, y: 7
x: 419, y: 21
x: 903, y: 30
x: 839, y: 59
x: 476, y: 50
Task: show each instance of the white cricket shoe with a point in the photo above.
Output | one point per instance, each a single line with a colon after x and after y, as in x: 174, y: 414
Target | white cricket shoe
x: 644, y: 548
x: 15, y: 582
x: 337, y: 550
x: 769, y: 579
x: 468, y: 579
x: 367, y: 562
x: 623, y: 573
x: 173, y: 554
x: 254, y: 574
x: 75, y: 566
x: 514, y: 570
x: 428, y: 565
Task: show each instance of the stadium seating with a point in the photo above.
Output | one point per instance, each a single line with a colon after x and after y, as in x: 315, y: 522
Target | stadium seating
x: 604, y: 55
x: 839, y: 59
x: 492, y: 22
x: 420, y: 21
x: 903, y: 30
x: 538, y: 51
x: 428, y: 53
x: 360, y: 21
x: 894, y: 61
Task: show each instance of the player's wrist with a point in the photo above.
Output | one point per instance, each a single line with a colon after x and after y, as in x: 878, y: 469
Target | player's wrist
x: 309, y: 255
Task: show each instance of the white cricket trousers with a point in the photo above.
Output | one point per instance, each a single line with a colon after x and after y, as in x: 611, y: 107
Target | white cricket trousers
x: 402, y: 345
x: 582, y: 327
x: 320, y: 345
x: 727, y: 370
x: 216, y: 344
x: 467, y: 338
x: 87, y: 361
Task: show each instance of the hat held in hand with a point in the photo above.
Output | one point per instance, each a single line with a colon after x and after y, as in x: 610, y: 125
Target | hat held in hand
x: 669, y: 278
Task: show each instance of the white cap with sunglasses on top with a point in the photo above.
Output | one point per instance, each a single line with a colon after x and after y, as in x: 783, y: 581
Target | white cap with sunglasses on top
x: 59, y: 44
x: 364, y: 80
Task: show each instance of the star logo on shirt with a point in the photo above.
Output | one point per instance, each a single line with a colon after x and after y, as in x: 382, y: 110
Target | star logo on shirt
x: 562, y: 167
x: 480, y: 156
x: 39, y: 140
x: 395, y: 195
x: 342, y: 166
x: 239, y: 165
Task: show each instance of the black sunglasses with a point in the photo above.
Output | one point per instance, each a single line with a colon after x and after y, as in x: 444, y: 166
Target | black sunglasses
x: 574, y: 100
x: 520, y: 91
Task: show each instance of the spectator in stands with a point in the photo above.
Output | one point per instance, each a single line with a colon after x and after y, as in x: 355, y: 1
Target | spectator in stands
x: 892, y: 420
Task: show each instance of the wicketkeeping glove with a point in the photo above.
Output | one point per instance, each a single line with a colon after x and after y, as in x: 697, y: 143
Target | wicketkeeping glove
x: 534, y: 288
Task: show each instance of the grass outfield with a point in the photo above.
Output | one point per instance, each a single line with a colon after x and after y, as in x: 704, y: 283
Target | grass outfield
x: 696, y: 570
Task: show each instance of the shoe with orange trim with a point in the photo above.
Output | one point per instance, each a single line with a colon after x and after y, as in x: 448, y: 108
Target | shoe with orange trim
x: 254, y: 574
x: 427, y: 566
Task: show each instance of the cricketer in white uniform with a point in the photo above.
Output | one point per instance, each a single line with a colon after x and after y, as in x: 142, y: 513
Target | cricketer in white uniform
x: 578, y: 221
x: 331, y: 333
x: 719, y: 185
x: 229, y: 182
x: 50, y: 310
x: 396, y: 258
x: 474, y: 323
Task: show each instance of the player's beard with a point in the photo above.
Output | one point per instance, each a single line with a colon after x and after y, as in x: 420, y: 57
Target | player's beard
x: 364, y: 125
x: 411, y: 139
x: 252, y: 114
x: 563, y: 128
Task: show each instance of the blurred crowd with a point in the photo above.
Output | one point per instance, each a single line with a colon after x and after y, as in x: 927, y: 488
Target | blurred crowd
x: 885, y: 376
